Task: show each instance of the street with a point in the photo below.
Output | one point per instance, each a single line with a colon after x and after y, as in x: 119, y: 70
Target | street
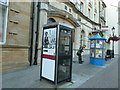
x: 83, y: 76
x: 108, y: 78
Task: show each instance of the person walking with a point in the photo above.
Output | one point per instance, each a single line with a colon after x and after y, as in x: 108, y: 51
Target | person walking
x: 79, y: 53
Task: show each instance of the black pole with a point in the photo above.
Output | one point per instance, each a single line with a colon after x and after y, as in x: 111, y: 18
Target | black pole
x: 113, y: 46
x: 32, y: 32
x: 37, y: 33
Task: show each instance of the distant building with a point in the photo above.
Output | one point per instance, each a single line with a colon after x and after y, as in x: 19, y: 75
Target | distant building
x: 119, y: 26
x: 112, y: 21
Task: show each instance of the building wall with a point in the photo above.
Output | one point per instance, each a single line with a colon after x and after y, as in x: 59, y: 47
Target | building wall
x: 112, y: 21
x: 15, y: 51
x: 49, y: 10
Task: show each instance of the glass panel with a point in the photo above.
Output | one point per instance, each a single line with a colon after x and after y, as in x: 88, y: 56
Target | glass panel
x: 104, y: 53
x: 92, y: 54
x: 98, y: 53
x: 104, y: 44
x: 64, y: 55
x: 92, y: 43
x: 99, y: 43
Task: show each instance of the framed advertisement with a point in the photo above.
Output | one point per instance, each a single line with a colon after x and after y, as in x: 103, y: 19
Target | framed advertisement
x: 98, y: 53
x: 99, y: 43
x: 49, y: 41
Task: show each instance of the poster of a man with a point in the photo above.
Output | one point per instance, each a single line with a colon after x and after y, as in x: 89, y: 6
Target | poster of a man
x: 46, y: 41
x: 49, y: 41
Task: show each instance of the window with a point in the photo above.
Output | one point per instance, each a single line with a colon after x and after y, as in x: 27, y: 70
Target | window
x: 69, y: 10
x: 94, y: 17
x: 82, y: 41
x: 81, y: 7
x: 3, y: 20
x: 65, y: 7
x: 89, y: 12
x: 50, y: 20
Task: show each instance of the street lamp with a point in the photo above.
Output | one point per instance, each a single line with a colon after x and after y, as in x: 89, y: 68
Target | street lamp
x: 113, y: 31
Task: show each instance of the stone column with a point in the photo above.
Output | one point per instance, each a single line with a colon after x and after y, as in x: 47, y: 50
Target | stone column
x: 43, y: 20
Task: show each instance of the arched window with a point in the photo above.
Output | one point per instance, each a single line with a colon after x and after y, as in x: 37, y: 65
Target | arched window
x: 89, y: 36
x: 50, y: 20
x: 82, y: 42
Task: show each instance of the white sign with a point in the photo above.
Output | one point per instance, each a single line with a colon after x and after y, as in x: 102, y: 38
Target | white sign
x: 104, y: 28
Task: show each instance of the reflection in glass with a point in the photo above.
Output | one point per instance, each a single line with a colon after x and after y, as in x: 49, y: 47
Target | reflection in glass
x: 92, y: 43
x: 92, y: 53
x: 64, y: 55
x: 99, y: 43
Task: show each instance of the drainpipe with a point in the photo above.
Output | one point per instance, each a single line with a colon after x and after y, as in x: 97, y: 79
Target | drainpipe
x: 99, y: 14
x: 37, y: 33
x: 32, y: 32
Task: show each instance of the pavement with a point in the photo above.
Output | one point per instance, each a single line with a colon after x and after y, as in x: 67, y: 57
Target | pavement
x: 29, y: 77
x: 107, y: 78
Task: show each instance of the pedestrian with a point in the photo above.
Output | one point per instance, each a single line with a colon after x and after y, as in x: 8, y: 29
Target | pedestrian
x: 79, y: 53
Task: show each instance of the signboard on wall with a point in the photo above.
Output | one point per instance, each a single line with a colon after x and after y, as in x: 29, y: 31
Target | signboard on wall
x: 104, y: 28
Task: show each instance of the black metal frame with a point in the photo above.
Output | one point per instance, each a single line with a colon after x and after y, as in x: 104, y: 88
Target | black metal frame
x: 42, y: 52
x: 68, y: 78
x: 58, y: 26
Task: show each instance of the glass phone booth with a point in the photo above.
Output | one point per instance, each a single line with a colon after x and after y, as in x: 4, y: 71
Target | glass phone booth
x: 56, y: 55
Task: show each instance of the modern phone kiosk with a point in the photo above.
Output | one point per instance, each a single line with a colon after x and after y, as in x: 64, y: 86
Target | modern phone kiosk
x: 56, y: 55
x: 97, y: 50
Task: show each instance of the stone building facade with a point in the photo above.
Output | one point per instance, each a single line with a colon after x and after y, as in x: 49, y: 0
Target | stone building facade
x: 83, y: 15
x: 15, y: 34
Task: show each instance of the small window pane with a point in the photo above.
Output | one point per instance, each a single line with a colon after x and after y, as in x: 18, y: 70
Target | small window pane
x: 92, y: 43
x: 69, y: 10
x: 92, y: 54
x: 65, y: 7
